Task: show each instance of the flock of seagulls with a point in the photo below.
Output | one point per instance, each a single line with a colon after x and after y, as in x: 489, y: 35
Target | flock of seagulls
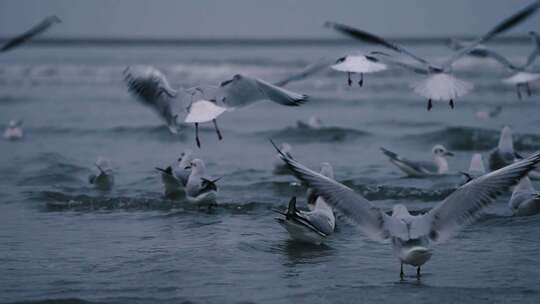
x: 412, y: 236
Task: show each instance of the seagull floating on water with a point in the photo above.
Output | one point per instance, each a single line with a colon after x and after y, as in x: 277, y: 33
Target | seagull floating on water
x: 439, y: 165
x: 200, y: 189
x: 310, y: 226
x: 440, y: 83
x: 203, y: 103
x: 314, y: 123
x: 14, y: 130
x: 413, y: 236
x: 175, y: 177
x: 504, y: 154
x: 104, y: 180
x: 476, y: 168
x: 525, y: 199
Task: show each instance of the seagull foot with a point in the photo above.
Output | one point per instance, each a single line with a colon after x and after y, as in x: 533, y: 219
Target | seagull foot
x: 529, y: 93
x: 451, y: 103
x: 349, y: 80
x: 429, y: 105
x: 518, y: 92
x: 361, y: 81
x: 418, y: 275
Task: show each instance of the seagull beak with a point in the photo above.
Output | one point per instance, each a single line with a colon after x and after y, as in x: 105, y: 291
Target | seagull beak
x: 448, y: 153
x: 187, y: 167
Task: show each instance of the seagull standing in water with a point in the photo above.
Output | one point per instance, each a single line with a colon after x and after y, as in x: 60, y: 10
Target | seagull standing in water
x: 200, y: 189
x: 310, y: 226
x: 104, y: 180
x: 203, y: 103
x: 422, y: 168
x: 525, y: 199
x: 36, y: 30
x: 439, y: 82
x: 14, y: 130
x: 175, y: 177
x: 413, y: 236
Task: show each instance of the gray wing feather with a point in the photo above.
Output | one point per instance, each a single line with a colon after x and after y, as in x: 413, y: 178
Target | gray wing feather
x: 307, y: 71
x: 368, y: 217
x: 243, y: 90
x: 464, y: 205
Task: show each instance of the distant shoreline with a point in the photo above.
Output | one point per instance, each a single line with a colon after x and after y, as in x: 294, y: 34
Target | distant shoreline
x: 251, y: 41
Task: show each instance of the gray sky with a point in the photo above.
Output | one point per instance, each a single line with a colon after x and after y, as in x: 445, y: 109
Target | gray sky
x: 258, y: 18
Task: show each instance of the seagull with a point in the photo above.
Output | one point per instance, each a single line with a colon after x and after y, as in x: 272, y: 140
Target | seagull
x: 413, y: 236
x: 476, y: 168
x: 175, y: 177
x: 422, y: 168
x: 105, y: 179
x: 307, y: 226
x: 279, y: 167
x: 203, y: 103
x: 504, y: 154
x: 439, y: 82
x: 14, y: 130
x: 31, y: 33
x: 354, y: 63
x: 520, y: 76
x: 525, y: 199
x: 311, y: 226
x: 200, y: 190
x: 314, y: 123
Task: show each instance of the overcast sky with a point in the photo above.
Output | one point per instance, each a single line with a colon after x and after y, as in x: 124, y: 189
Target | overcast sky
x: 258, y: 18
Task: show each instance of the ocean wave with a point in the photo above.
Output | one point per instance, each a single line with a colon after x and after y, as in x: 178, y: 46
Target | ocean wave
x: 325, y: 134
x: 472, y: 139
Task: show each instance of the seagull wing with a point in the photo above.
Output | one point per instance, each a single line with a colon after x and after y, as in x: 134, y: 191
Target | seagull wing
x: 31, y: 33
x: 243, y: 90
x: 503, y: 26
x: 464, y: 205
x: 307, y: 71
x: 368, y: 217
x: 373, y: 39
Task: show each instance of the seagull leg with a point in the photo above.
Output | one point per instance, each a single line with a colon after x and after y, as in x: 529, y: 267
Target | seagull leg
x: 361, y: 81
x: 451, y: 103
x: 197, y: 135
x: 217, y: 129
x: 518, y: 92
x: 349, y: 81
x: 418, y: 272
x: 529, y: 93
x: 429, y: 105
x: 401, y: 273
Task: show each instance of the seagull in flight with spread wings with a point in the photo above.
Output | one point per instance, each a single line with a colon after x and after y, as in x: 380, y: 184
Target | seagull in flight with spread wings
x: 413, y: 236
x: 439, y: 82
x: 203, y: 103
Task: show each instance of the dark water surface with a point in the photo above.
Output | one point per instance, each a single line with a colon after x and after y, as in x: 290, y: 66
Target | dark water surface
x: 61, y: 239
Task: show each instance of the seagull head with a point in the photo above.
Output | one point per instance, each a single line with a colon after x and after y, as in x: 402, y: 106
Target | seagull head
x: 440, y: 150
x: 196, y: 166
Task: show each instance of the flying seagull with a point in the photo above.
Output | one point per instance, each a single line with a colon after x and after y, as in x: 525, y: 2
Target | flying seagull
x: 203, y: 103
x: 439, y: 82
x: 413, y: 236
